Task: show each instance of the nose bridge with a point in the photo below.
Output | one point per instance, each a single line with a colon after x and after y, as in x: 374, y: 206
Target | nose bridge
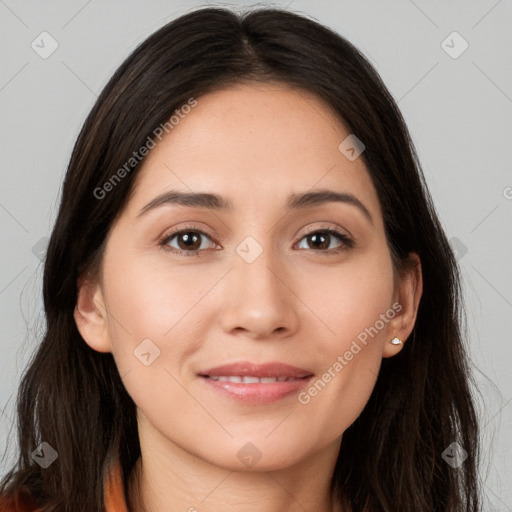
x: 257, y: 298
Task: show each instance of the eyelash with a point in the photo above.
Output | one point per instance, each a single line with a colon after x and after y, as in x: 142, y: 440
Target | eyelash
x: 347, y: 243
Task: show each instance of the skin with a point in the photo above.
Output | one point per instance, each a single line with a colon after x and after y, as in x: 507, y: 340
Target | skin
x: 296, y: 303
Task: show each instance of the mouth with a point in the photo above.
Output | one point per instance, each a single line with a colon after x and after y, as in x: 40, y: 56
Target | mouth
x: 249, y: 379
x: 256, y: 383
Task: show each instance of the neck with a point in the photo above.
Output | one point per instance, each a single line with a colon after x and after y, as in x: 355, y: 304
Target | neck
x: 174, y: 476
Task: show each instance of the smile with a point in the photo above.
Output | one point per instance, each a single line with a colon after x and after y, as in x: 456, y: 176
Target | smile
x: 247, y: 379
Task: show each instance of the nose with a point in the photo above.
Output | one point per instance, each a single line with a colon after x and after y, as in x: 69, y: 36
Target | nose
x: 258, y: 298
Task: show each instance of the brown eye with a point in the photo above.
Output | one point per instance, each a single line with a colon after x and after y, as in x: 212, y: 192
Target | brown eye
x: 188, y: 242
x: 320, y: 240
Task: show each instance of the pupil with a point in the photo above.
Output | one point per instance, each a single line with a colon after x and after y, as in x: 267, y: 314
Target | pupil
x: 189, y: 239
x: 316, y: 238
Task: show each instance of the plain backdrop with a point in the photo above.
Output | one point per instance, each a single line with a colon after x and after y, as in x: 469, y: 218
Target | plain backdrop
x: 449, y: 66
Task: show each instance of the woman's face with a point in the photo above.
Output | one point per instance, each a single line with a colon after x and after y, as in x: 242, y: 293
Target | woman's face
x: 259, y: 282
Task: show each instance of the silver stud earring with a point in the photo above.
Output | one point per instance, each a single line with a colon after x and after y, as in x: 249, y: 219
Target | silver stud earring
x: 396, y: 341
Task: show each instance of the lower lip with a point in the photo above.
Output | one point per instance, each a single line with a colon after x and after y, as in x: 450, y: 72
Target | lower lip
x: 258, y: 392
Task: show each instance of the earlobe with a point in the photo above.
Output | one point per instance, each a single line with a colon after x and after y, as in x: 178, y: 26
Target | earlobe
x: 90, y: 316
x: 409, y: 291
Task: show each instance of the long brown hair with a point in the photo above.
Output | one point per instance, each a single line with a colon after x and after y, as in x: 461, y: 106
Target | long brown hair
x: 73, y: 397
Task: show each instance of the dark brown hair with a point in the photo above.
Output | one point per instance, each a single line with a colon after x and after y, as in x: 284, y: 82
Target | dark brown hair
x: 73, y: 398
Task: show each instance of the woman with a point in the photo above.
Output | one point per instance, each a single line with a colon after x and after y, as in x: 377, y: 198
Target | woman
x: 251, y: 303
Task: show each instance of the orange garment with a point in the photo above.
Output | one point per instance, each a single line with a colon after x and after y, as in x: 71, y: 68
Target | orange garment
x: 115, y: 500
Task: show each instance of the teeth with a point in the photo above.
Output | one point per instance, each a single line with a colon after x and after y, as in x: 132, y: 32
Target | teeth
x: 230, y: 379
x: 250, y: 380
x: 247, y: 379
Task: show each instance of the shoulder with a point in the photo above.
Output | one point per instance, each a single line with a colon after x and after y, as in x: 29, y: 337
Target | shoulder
x: 21, y: 502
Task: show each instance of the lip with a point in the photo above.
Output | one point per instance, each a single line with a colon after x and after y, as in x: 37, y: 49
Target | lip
x: 257, y: 393
x: 272, y: 369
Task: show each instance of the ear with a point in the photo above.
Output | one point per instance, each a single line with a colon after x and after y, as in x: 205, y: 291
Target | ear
x: 408, y: 291
x: 90, y: 316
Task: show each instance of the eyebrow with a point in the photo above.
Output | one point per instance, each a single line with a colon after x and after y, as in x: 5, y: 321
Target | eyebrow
x: 216, y: 202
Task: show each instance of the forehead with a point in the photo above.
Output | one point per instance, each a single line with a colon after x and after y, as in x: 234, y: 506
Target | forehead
x: 263, y: 141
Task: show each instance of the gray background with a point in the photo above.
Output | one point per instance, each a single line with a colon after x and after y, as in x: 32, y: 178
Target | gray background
x: 459, y: 112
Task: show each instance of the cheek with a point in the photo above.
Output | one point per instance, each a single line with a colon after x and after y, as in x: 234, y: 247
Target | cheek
x: 149, y: 299
x: 337, y: 398
x: 354, y: 306
x: 151, y: 333
x: 352, y: 299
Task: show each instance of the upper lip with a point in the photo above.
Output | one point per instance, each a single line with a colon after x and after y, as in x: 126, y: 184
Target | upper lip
x: 273, y: 369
